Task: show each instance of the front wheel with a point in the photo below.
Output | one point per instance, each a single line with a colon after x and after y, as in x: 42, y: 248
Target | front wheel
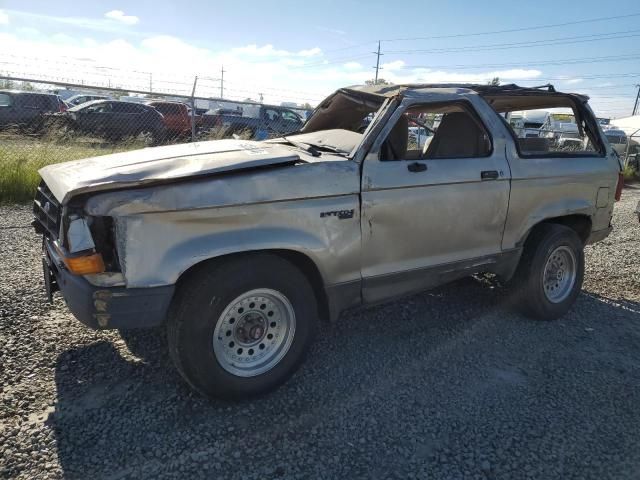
x: 241, y: 327
x: 551, y: 270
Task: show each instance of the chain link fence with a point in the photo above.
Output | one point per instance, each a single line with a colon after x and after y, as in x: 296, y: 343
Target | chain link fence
x: 44, y: 123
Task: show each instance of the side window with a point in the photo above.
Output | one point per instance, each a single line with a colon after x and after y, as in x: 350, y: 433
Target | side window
x: 437, y: 131
x: 98, y: 108
x: 271, y: 115
x: 130, y: 108
x: 290, y: 116
x: 36, y: 102
x: 548, y: 132
x: 5, y: 100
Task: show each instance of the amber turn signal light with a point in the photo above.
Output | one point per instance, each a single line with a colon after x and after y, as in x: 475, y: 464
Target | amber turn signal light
x: 85, y: 265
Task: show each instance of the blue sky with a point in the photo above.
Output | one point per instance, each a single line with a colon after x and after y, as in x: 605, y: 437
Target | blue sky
x: 301, y: 51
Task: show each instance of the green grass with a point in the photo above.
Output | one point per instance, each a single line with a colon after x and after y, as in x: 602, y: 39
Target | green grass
x: 21, y: 157
x: 630, y: 174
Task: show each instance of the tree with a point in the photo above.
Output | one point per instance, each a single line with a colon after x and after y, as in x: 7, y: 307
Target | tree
x: 8, y: 84
x: 27, y: 87
x: 381, y: 81
x: 306, y: 106
x: 495, y: 81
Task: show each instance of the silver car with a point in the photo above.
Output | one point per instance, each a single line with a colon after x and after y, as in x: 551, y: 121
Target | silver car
x: 241, y: 248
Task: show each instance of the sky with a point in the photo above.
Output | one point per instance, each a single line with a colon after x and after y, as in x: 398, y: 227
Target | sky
x: 301, y: 51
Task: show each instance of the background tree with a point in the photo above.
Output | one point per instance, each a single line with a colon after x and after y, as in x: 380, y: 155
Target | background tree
x: 381, y: 81
x: 495, y: 81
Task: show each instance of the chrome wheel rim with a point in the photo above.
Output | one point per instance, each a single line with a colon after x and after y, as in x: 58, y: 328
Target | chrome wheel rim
x: 254, y: 332
x: 559, y: 274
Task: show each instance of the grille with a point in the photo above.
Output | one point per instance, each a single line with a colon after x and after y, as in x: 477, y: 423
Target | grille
x: 46, y: 209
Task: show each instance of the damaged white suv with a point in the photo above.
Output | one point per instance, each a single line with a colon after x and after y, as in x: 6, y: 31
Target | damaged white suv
x: 240, y: 247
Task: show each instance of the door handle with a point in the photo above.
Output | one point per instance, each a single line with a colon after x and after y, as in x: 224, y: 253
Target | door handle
x: 489, y: 175
x: 416, y: 167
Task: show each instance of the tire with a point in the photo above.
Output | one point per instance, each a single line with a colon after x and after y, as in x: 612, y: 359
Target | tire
x: 225, y: 351
x: 559, y: 251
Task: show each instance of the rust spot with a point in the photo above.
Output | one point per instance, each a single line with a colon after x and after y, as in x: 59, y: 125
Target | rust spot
x: 102, y: 295
x: 101, y: 305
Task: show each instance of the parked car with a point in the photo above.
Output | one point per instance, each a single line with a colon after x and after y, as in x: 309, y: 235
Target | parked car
x: 84, y: 98
x: 527, y: 124
x: 617, y: 139
x: 176, y: 117
x: 258, y: 121
x: 239, y: 247
x: 114, y: 120
x: 26, y: 109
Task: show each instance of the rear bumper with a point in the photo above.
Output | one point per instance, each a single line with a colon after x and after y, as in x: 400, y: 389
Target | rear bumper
x: 112, y: 307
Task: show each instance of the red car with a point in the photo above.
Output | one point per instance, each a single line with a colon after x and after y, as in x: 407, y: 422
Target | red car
x: 177, y: 117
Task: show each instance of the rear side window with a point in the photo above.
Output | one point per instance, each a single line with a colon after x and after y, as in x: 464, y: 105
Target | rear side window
x: 39, y: 102
x: 549, y: 125
x: 131, y: 108
x: 167, y: 108
x: 616, y: 139
x: 5, y: 100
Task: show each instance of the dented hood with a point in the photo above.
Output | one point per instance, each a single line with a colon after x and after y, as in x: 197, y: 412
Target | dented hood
x: 149, y: 165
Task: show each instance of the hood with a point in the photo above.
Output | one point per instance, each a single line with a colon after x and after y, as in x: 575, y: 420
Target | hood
x: 141, y: 167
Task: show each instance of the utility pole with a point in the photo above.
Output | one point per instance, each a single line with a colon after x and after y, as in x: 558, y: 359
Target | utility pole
x: 635, y: 105
x: 377, y: 67
x: 150, y: 82
x: 222, y: 82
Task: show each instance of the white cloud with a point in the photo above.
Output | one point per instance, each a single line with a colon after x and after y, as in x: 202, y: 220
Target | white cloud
x: 396, y: 65
x: 171, y: 63
x: 4, y: 18
x: 269, y: 50
x: 312, y: 52
x: 573, y: 81
x: 119, y: 16
x: 43, y: 22
x: 352, y: 66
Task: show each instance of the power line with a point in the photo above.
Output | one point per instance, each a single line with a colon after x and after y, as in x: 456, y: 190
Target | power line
x: 527, y: 44
x: 490, y: 32
x: 513, y: 30
x: 532, y: 63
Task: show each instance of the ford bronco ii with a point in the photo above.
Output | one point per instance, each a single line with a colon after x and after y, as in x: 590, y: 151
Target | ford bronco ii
x: 239, y: 248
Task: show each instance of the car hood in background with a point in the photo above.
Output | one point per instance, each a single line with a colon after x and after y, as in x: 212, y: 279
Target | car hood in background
x: 149, y: 165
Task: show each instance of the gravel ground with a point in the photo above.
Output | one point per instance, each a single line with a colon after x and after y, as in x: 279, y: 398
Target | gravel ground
x: 444, y: 385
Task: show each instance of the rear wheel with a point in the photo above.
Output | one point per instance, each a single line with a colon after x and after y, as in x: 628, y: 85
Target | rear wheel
x: 241, y: 327
x: 551, y: 270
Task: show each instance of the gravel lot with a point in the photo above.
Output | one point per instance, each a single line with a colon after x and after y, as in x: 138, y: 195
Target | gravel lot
x: 444, y: 385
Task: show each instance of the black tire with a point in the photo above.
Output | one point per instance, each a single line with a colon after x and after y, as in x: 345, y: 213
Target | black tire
x: 528, y: 281
x: 199, y: 303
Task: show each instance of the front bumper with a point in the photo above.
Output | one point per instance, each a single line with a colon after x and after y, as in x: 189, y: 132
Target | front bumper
x: 110, y: 307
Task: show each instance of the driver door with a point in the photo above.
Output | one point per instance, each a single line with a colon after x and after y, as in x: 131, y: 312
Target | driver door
x: 435, y: 208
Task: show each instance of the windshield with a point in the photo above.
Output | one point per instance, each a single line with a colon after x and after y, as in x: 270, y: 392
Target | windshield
x: 338, y: 141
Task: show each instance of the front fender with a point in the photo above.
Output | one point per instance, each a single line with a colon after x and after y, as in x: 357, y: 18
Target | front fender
x: 155, y: 249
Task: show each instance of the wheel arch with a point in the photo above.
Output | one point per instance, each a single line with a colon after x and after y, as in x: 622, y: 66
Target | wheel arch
x: 301, y: 261
x: 580, y: 223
